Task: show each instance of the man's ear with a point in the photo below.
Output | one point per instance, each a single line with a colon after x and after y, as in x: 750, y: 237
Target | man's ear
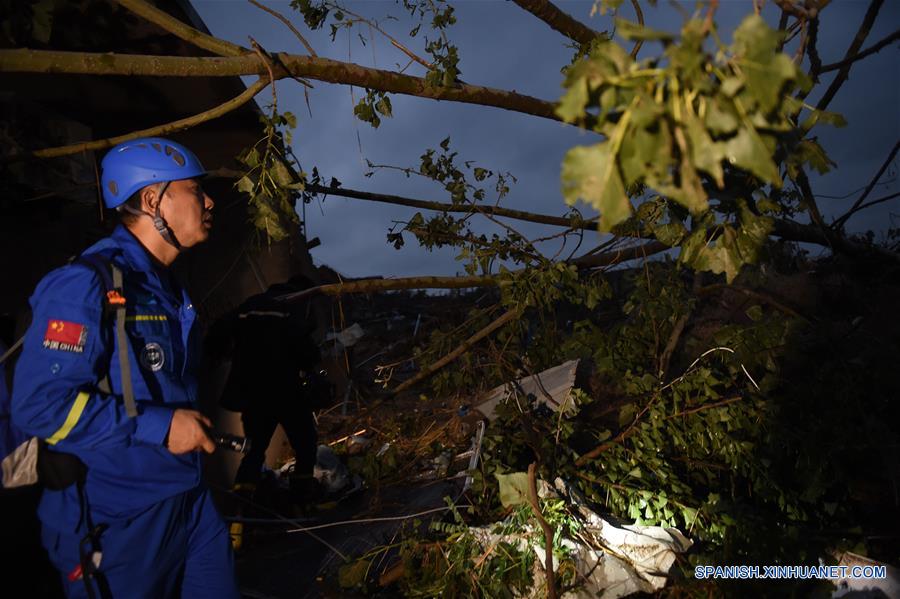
x: 149, y: 199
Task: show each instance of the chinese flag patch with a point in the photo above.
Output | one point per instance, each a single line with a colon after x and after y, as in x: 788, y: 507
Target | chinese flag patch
x: 65, y: 336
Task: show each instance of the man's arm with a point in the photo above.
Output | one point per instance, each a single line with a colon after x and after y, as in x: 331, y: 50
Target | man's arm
x: 66, y: 352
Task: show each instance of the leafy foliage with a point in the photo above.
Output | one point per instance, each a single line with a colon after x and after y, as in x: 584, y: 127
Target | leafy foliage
x: 269, y: 181
x: 692, y: 127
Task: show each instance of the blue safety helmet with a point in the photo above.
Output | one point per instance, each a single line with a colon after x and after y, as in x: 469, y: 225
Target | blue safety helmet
x: 134, y: 164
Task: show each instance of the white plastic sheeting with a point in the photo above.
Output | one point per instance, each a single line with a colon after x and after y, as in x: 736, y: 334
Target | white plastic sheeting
x: 551, y: 387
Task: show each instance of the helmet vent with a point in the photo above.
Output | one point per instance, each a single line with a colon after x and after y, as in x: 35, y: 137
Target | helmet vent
x: 113, y: 188
x: 156, y: 147
x: 176, y: 155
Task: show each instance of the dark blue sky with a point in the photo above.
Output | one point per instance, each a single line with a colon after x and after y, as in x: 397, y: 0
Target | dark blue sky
x: 502, y: 46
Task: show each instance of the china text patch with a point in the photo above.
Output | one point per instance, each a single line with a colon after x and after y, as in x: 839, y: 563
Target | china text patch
x: 65, y: 336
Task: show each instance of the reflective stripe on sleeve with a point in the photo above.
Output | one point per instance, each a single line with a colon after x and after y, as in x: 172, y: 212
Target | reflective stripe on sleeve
x: 71, y: 420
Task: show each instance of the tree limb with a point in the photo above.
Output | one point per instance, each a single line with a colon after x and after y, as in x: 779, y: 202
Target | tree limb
x: 182, y: 30
x: 311, y: 67
x: 793, y: 231
x: 858, y: 40
x: 870, y: 50
x: 560, y: 21
x: 179, y: 125
x: 466, y: 345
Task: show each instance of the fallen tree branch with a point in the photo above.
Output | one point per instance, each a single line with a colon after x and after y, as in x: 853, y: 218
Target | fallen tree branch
x: 560, y: 21
x: 161, y: 130
x: 793, y: 231
x: 548, y: 531
x: 463, y: 348
x: 182, y: 30
x: 560, y: 221
x: 717, y: 404
x: 310, y: 67
x: 622, y: 255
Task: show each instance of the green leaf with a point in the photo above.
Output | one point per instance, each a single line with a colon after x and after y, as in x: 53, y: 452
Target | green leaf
x: 634, y: 31
x: 590, y: 173
x: 281, y: 174
x: 354, y: 574
x: 571, y: 105
x: 720, y: 117
x: 765, y: 69
x: 626, y: 414
x: 670, y: 234
x: 754, y: 313
x: 706, y: 154
x: 245, y: 185
x: 513, y: 488
x: 747, y: 151
x: 383, y: 106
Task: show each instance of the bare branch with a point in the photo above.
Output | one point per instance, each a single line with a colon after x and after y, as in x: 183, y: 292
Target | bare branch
x: 857, y: 205
x: 409, y: 53
x: 287, y: 22
x: 559, y: 21
x: 858, y: 40
x: 321, y: 69
x: 182, y: 30
x: 161, y: 130
x: 640, y: 17
x: 876, y: 47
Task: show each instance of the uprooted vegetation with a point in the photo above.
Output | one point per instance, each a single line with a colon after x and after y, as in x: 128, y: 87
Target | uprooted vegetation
x: 754, y: 418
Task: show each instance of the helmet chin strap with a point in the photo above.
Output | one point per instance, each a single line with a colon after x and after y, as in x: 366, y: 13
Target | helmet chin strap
x: 162, y: 227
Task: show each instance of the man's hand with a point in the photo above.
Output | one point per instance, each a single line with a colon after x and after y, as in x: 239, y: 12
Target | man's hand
x: 187, y: 433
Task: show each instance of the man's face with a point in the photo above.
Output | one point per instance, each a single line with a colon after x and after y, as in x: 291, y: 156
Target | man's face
x: 188, y: 211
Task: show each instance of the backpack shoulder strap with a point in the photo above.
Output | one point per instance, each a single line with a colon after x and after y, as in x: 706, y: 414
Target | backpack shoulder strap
x: 113, y: 303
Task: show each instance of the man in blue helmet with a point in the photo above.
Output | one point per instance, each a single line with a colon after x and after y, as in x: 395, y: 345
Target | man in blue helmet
x: 139, y: 523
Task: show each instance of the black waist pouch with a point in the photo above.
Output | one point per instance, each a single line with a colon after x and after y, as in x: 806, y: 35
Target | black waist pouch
x: 58, y: 470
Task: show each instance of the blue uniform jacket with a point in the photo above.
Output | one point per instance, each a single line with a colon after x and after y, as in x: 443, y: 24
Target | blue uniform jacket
x: 68, y: 349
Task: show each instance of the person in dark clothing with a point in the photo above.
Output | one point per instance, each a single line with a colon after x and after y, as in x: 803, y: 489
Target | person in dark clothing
x: 274, y: 380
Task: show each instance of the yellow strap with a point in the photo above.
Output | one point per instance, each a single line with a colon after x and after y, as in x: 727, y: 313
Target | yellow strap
x: 71, y: 420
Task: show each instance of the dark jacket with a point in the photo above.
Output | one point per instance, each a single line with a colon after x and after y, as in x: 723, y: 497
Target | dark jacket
x: 273, y: 351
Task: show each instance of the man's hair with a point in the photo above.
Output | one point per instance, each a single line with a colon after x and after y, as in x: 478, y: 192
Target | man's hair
x: 134, y: 202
